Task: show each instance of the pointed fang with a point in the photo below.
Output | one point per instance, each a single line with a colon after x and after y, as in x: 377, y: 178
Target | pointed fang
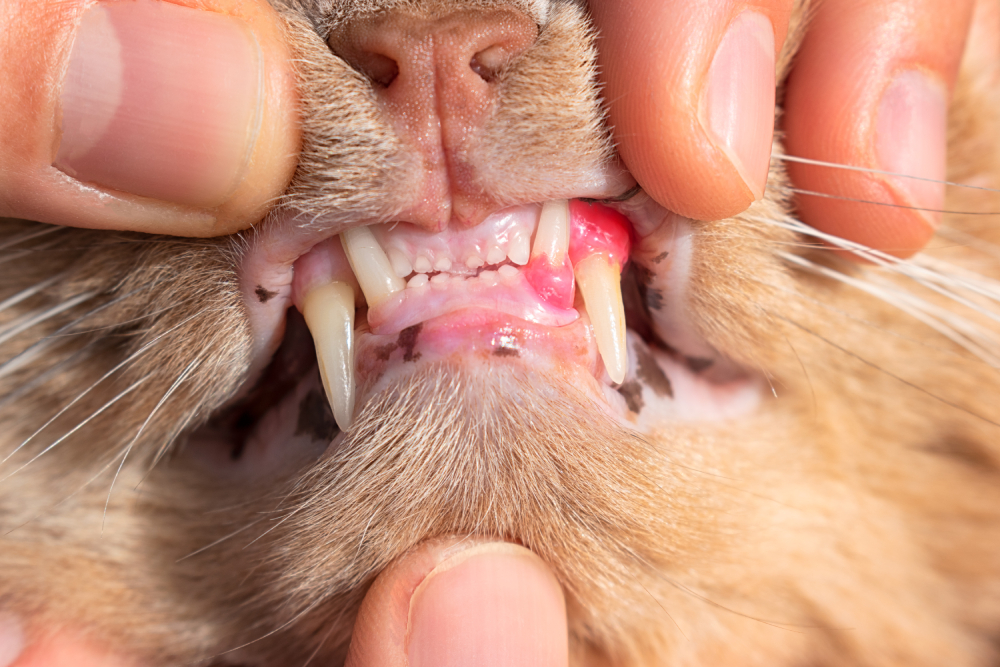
x: 600, y: 283
x: 329, y: 314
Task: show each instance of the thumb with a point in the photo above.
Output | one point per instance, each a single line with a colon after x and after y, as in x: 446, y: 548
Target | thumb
x: 157, y: 116
x: 446, y: 604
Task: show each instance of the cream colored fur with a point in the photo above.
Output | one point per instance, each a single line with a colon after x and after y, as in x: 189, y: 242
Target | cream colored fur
x: 853, y: 520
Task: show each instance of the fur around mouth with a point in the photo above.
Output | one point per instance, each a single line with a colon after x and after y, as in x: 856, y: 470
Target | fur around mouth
x: 552, y: 276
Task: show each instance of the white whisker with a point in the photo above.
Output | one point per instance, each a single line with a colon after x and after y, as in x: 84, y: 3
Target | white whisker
x: 142, y: 429
x: 30, y: 319
x: 869, y: 170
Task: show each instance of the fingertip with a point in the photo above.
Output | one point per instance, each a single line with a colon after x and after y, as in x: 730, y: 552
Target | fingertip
x: 176, y: 117
x: 449, y: 603
x: 691, y: 97
x: 869, y: 90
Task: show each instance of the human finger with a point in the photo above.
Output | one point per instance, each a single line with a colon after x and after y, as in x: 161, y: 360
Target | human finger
x: 158, y: 116
x: 690, y: 90
x: 870, y: 89
x: 454, y: 604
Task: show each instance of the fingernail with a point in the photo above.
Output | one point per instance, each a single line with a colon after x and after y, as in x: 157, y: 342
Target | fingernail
x: 161, y: 101
x: 911, y: 139
x: 490, y: 605
x: 738, y: 103
x: 11, y: 640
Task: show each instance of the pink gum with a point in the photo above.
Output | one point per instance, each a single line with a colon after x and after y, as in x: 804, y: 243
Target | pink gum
x: 594, y: 229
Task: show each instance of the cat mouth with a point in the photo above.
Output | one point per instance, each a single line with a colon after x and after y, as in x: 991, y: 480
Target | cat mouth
x: 548, y: 286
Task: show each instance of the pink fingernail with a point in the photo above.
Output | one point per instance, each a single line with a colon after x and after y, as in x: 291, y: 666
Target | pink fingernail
x: 11, y: 640
x: 161, y: 101
x: 493, y: 604
x: 911, y: 138
x: 738, y: 104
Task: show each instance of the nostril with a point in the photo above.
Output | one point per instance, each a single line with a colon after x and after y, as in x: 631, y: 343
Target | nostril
x: 380, y: 69
x: 489, y: 62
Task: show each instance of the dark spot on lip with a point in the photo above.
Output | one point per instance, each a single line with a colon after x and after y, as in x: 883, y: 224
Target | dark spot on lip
x: 315, y: 418
x: 698, y: 364
x: 631, y: 391
x: 503, y: 351
x: 659, y: 258
x: 965, y: 451
x: 263, y: 294
x: 407, y: 340
x: 651, y: 374
x: 383, y: 352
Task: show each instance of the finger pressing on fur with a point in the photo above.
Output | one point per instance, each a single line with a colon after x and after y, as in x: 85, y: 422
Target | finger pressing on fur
x: 462, y: 603
x: 870, y: 89
x: 691, y: 92
x: 63, y: 649
x: 168, y: 117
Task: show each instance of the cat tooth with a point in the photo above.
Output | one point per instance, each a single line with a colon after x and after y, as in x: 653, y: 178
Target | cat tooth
x: 507, y: 271
x: 520, y: 249
x: 474, y: 262
x: 422, y: 264
x: 495, y: 255
x: 418, y: 280
x: 372, y: 267
x: 442, y: 264
x: 552, y: 235
x: 600, y: 283
x: 329, y: 314
x: 400, y: 264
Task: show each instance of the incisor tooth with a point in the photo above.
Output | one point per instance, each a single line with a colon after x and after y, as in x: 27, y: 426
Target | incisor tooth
x: 600, y: 282
x: 371, y: 265
x: 329, y: 314
x: 552, y: 235
x: 519, y: 251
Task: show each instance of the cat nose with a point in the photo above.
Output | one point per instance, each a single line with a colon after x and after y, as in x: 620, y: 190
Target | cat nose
x: 438, y: 79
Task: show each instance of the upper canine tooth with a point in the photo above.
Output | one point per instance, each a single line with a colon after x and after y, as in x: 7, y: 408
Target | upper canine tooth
x: 371, y: 265
x: 600, y: 283
x: 552, y: 235
x: 329, y: 314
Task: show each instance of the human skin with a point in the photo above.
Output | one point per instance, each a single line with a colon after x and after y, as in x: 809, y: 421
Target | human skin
x: 863, y: 67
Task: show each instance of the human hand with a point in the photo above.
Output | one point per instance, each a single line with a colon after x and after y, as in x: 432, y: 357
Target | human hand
x: 167, y: 117
x: 691, y: 100
x: 444, y: 604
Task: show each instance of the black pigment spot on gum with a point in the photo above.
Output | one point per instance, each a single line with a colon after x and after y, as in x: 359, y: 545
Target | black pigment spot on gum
x: 504, y: 351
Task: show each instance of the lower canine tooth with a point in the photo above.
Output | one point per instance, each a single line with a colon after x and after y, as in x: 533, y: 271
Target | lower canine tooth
x: 600, y: 282
x: 329, y: 314
x: 371, y: 265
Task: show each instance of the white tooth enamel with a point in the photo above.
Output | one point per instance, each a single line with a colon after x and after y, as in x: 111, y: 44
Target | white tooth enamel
x: 400, y: 264
x: 418, y: 280
x: 552, y: 236
x: 422, y: 264
x: 329, y: 314
x: 489, y: 278
x: 507, y: 271
x: 474, y: 262
x: 442, y: 264
x: 495, y: 255
x: 371, y: 265
x: 520, y: 249
x: 601, y: 286
x: 439, y: 278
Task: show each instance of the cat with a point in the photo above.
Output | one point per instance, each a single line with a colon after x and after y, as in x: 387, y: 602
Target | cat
x: 790, y: 458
